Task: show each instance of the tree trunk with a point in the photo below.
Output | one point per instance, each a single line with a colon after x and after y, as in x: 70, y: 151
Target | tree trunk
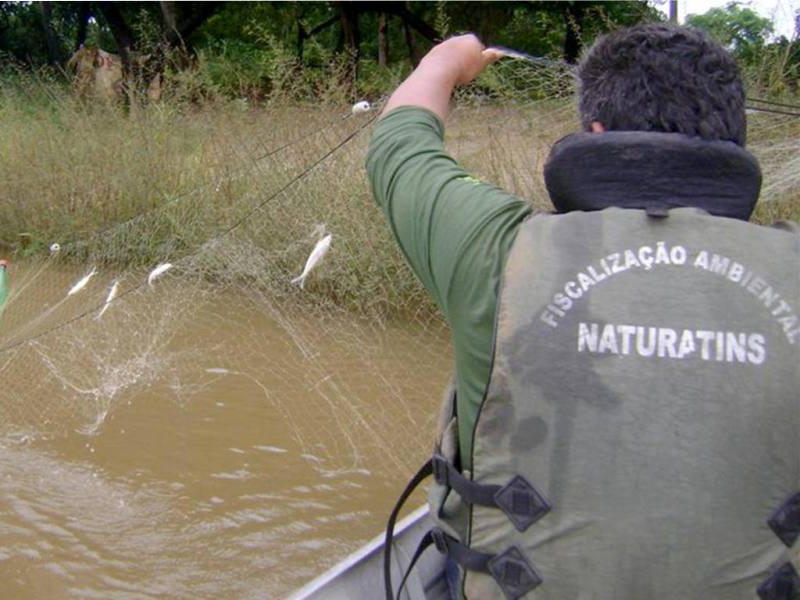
x: 303, y: 35
x: 83, y: 25
x: 414, y: 21
x: 401, y: 10
x: 383, y: 41
x: 350, y: 30
x: 301, y: 39
x: 169, y: 12
x: 351, y: 37
x: 123, y: 35
x: 187, y: 26
x: 412, y: 48
x: 53, y: 53
x: 573, y: 16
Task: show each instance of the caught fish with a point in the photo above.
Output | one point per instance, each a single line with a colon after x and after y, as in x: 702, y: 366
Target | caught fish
x: 317, y: 254
x: 158, y: 272
x: 82, y: 283
x: 112, y: 293
x: 4, y: 285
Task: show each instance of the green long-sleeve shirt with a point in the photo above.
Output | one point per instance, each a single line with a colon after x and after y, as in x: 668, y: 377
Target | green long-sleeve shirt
x: 455, y: 232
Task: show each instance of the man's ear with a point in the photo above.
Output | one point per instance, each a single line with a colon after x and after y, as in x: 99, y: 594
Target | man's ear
x: 597, y: 127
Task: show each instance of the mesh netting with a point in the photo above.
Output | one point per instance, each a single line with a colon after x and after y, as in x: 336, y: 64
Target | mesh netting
x: 179, y: 231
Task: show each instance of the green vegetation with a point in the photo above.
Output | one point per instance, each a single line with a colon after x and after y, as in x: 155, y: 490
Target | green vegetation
x: 770, y: 67
x: 735, y: 26
x: 212, y: 174
x: 166, y: 182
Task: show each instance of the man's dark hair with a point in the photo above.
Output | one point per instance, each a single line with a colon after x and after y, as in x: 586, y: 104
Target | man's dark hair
x: 660, y: 77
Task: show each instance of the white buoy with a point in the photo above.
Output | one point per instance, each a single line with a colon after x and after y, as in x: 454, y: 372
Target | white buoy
x: 158, y: 272
x: 82, y: 282
x: 361, y: 107
x: 317, y: 254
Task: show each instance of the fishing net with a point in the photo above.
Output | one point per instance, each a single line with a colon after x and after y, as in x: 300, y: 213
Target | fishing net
x: 153, y: 253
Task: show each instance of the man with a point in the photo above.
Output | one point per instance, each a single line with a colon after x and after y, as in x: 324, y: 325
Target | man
x: 626, y: 411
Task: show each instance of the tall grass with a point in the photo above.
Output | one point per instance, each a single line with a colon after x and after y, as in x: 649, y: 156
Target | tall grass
x: 135, y: 187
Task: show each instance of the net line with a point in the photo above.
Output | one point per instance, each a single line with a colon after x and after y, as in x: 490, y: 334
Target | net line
x: 222, y: 178
x: 350, y: 362
x: 67, y: 249
x: 223, y: 233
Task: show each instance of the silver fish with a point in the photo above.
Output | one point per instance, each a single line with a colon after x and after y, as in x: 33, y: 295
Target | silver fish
x: 157, y: 272
x: 317, y: 254
x: 112, y: 293
x: 82, y: 282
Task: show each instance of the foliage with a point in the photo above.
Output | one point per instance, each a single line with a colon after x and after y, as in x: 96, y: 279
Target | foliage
x: 775, y: 70
x: 738, y: 28
x: 21, y: 32
x: 536, y: 27
x: 770, y: 68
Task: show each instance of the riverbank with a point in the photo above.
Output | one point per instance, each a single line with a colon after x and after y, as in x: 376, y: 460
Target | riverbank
x: 240, y: 188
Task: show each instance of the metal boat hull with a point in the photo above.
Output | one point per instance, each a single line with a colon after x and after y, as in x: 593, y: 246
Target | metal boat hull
x: 360, y: 575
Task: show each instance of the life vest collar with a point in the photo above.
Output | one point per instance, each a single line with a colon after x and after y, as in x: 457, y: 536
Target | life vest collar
x: 653, y: 171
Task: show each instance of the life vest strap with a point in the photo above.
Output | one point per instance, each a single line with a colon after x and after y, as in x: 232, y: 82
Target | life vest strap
x: 425, y: 543
x: 424, y: 471
x: 471, y: 560
x: 518, y: 499
x: 510, y: 569
x: 445, y: 473
x: 515, y: 575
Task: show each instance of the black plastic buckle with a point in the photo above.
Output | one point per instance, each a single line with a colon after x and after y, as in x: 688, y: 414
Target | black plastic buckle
x: 440, y: 469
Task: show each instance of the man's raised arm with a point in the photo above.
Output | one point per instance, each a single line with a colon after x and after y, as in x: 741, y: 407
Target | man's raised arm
x: 454, y: 62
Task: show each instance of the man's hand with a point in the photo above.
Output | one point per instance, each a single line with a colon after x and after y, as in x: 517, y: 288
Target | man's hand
x: 454, y: 62
x: 465, y: 55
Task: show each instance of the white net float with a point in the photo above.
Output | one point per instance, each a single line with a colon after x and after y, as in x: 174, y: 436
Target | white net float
x: 361, y: 107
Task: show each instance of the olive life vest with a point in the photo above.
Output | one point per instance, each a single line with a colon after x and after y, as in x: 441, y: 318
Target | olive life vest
x: 640, y: 434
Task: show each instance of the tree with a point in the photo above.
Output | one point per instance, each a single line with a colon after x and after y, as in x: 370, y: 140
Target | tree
x: 176, y: 24
x: 738, y: 28
x: 39, y: 33
x: 122, y: 33
x: 383, y: 41
x: 50, y: 36
x: 84, y: 13
x: 573, y: 15
x: 254, y: 37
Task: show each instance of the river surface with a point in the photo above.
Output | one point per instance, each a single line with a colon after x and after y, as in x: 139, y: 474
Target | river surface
x: 240, y: 471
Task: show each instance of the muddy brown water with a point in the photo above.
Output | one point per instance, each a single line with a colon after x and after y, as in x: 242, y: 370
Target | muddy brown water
x: 269, y: 467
